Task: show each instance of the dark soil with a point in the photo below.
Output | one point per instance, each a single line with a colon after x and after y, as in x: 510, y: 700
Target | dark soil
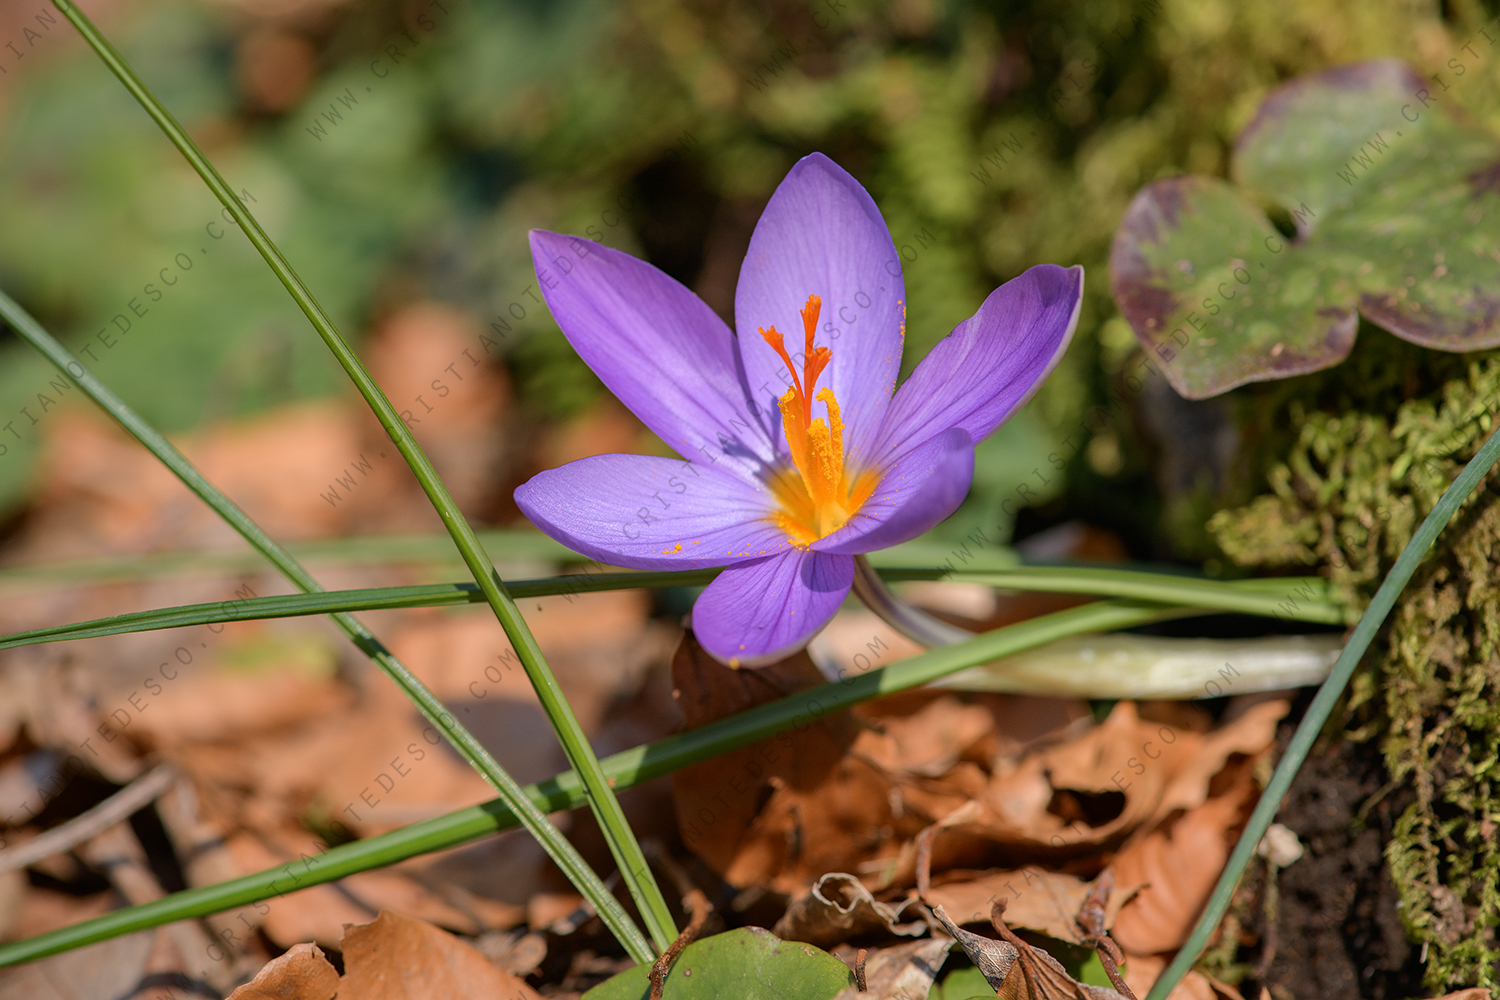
x: 1338, y: 932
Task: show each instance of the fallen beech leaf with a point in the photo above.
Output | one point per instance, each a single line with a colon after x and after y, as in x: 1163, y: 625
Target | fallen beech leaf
x: 398, y: 958
x: 838, y: 908
x: 901, y: 972
x: 1096, y: 790
x: 1472, y: 993
x: 301, y: 974
x: 1037, y: 899
x: 320, y: 913
x: 761, y: 814
x: 1179, y: 864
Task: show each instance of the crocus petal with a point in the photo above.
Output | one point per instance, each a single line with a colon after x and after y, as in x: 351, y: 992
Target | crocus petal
x: 656, y: 345
x: 759, y: 612
x: 992, y: 363
x: 922, y: 488
x: 652, y: 513
x: 822, y: 235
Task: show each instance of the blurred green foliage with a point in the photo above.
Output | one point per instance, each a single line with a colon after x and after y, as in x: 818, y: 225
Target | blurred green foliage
x: 994, y: 136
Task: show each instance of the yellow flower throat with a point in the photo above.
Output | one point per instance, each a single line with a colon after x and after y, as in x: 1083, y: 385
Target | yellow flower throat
x: 818, y: 495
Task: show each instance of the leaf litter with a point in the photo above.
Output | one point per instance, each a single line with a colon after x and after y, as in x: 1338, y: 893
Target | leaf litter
x: 890, y: 831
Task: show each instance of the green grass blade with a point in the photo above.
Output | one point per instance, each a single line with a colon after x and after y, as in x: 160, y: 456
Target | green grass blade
x: 552, y: 840
x: 1204, y: 595
x: 625, y: 769
x: 612, y: 823
x: 1320, y: 708
x: 516, y: 544
x: 1294, y: 598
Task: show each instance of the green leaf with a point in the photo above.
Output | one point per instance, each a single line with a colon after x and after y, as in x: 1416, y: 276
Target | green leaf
x: 750, y: 963
x: 1397, y: 209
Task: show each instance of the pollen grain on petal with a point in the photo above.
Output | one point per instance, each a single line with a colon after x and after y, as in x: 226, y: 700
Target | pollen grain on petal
x: 672, y: 551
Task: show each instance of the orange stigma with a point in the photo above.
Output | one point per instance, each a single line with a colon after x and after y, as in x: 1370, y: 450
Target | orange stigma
x: 820, y: 498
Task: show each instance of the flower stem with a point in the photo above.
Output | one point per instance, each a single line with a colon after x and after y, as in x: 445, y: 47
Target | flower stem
x: 622, y: 842
x: 916, y: 625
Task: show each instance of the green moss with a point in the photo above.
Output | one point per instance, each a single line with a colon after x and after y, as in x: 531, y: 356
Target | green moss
x: 1347, y: 498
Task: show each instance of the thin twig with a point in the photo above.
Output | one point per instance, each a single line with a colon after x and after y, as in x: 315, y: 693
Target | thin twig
x: 698, y: 905
x: 859, y: 972
x: 693, y: 900
x: 1090, y: 921
x: 88, y: 825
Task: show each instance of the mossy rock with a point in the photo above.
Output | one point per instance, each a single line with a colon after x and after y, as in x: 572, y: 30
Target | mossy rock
x: 1348, y: 497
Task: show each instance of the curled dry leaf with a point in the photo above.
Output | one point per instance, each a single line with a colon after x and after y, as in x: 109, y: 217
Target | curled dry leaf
x: 1018, y: 971
x: 786, y: 811
x: 839, y: 907
x: 761, y: 815
x: 302, y: 973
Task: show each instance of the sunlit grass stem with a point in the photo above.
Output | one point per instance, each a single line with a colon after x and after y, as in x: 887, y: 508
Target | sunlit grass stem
x: 634, y: 870
x: 1246, y: 597
x: 556, y: 845
x: 625, y: 769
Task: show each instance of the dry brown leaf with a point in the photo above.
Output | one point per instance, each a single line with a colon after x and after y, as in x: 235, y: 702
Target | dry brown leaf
x: 1018, y: 971
x: 425, y: 358
x: 1141, y: 971
x: 1036, y: 899
x: 1085, y: 794
x: 398, y: 958
x: 1472, y: 993
x: 301, y: 974
x: 393, y: 957
x: 901, y: 972
x: 224, y: 706
x: 1179, y: 863
x: 759, y: 815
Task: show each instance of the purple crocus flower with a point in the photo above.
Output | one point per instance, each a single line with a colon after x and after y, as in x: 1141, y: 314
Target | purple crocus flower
x: 793, y: 464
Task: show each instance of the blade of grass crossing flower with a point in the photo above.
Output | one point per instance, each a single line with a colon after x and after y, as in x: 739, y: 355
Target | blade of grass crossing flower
x: 355, y: 551
x: 625, y: 769
x: 551, y: 839
x: 616, y: 829
x: 1234, y: 597
x: 1320, y: 708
